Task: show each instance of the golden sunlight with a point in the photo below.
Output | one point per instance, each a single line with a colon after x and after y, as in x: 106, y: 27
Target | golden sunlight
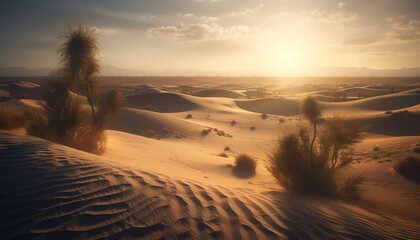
x: 287, y: 57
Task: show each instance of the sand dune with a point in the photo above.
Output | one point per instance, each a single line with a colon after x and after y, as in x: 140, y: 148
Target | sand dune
x: 139, y: 122
x: 55, y: 192
x: 217, y: 92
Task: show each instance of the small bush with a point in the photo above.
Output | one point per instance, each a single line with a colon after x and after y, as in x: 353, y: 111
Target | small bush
x: 223, y: 154
x: 264, y: 116
x: 188, y: 116
x: 11, y: 119
x: 299, y: 168
x: 151, y: 133
x: 409, y: 168
x: 246, y: 163
x: 227, y: 148
x: 205, y: 132
x: 233, y: 123
x: 252, y: 128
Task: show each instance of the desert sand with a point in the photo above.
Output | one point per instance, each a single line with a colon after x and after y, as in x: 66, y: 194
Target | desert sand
x: 173, y: 184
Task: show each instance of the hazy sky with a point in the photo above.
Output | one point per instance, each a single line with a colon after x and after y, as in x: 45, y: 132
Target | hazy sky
x: 255, y: 36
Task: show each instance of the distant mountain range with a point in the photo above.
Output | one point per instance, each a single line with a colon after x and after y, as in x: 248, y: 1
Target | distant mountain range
x: 109, y: 70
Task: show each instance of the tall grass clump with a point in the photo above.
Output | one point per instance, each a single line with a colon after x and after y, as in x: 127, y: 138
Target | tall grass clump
x: 64, y: 119
x: 302, y: 164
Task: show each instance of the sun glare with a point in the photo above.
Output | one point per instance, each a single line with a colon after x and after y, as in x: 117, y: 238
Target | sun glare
x: 287, y: 57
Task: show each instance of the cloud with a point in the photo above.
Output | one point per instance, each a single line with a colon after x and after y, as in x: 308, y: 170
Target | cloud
x: 403, y: 29
x: 105, y: 31
x: 247, y: 12
x: 359, y: 41
x: 333, y: 16
x: 341, y: 5
x: 198, y: 18
x: 201, y: 32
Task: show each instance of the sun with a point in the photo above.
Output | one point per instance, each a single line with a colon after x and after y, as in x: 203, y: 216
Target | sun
x: 287, y: 57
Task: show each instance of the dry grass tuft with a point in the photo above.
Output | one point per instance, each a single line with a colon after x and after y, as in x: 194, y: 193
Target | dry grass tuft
x: 223, y: 154
x: 245, y: 163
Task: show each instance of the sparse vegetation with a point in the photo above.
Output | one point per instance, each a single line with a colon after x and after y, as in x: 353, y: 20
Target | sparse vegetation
x: 188, y: 116
x: 315, y: 169
x: 205, y: 132
x: 11, y: 119
x: 311, y: 112
x: 264, y: 116
x: 63, y: 118
x: 252, y: 128
x: 245, y: 165
x: 223, y: 154
x: 375, y: 149
x: 227, y: 148
x: 233, y: 123
x: 409, y: 168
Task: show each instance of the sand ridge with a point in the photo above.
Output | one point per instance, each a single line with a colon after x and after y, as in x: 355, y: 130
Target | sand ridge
x: 55, y: 192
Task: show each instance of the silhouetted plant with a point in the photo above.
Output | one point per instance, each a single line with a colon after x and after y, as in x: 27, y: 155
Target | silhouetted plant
x: 311, y: 112
x: 62, y: 116
x: 337, y: 139
x: 317, y: 171
x: 79, y: 56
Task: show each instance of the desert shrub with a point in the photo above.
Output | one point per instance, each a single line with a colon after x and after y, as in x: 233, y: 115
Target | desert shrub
x: 151, y: 133
x: 62, y: 116
x: 375, y: 149
x: 188, y: 116
x: 245, y: 163
x: 165, y: 131
x: 233, y: 123
x: 227, y: 148
x: 252, y: 128
x: 317, y: 171
x: 11, y: 118
x: 264, y: 116
x: 205, y: 132
x: 409, y: 168
x: 223, y: 154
